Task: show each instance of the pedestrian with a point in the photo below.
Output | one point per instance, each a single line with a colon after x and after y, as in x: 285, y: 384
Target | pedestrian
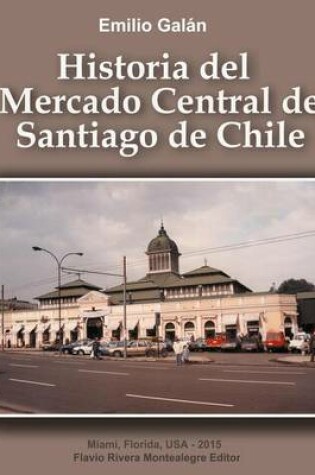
x: 96, y: 349
x: 312, y: 346
x: 178, y: 348
x: 185, y: 356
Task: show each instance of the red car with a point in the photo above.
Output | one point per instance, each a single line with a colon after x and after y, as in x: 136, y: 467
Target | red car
x: 215, y: 342
x: 275, y: 341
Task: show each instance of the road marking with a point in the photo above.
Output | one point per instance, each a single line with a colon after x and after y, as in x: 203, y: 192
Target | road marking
x: 38, y: 383
x: 145, y: 366
x: 181, y: 401
x: 283, y: 383
x: 20, y: 359
x: 260, y: 372
x: 221, y: 366
x: 73, y: 363
x: 23, y: 365
x: 102, y: 372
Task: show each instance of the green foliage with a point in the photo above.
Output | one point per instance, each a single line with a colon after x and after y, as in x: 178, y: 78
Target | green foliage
x: 293, y: 286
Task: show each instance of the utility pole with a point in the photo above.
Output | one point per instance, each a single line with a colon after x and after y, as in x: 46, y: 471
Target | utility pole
x: 157, y: 326
x: 2, y: 318
x: 125, y: 305
x: 124, y: 285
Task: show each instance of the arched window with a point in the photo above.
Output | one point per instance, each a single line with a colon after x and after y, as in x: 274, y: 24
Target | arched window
x: 170, y: 331
x: 189, y: 330
x: 209, y: 329
x: 21, y: 337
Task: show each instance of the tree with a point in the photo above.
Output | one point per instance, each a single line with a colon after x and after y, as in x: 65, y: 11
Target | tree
x: 293, y: 286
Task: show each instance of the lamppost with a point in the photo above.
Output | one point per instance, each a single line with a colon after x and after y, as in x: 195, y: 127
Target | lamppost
x: 2, y: 319
x: 59, y: 264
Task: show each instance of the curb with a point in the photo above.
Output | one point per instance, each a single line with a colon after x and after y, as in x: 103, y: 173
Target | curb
x: 155, y: 360
x: 13, y: 409
x: 303, y: 364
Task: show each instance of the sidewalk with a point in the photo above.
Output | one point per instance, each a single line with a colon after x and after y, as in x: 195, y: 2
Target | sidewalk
x: 297, y: 360
x: 13, y: 409
x: 194, y: 358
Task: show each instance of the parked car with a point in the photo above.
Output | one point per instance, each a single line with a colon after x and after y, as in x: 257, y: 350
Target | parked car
x: 135, y: 348
x: 112, y: 348
x: 146, y: 348
x: 84, y: 348
x: 68, y: 348
x: 300, y: 343
x: 48, y: 346
x: 251, y: 343
x: 230, y: 344
x: 199, y: 344
x: 215, y: 342
x: 276, y: 341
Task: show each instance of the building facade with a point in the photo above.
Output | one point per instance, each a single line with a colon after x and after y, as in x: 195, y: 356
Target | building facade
x: 199, y: 303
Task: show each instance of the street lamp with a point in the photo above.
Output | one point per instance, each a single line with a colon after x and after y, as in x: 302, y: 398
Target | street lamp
x: 59, y: 264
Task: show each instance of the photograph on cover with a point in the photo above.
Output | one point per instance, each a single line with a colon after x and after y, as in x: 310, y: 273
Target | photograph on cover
x: 157, y: 297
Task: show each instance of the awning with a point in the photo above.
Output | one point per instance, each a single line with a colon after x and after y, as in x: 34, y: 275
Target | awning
x: 132, y: 322
x: 29, y: 327
x: 17, y: 327
x: 229, y: 319
x: 55, y: 326
x: 113, y: 323
x: 71, y: 326
x: 254, y: 317
x: 148, y: 322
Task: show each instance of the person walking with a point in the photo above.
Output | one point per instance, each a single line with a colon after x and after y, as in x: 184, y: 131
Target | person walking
x: 178, y: 348
x: 96, y: 349
x: 312, y: 346
x: 185, y: 356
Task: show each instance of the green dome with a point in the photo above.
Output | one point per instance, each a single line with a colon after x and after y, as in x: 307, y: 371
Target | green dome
x: 162, y: 243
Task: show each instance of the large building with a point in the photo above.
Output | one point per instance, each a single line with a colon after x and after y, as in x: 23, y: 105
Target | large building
x: 34, y: 325
x: 199, y: 303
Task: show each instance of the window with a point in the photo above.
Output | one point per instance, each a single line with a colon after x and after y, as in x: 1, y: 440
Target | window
x: 209, y: 329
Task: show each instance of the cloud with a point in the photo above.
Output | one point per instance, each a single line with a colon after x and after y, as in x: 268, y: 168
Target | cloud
x: 109, y: 219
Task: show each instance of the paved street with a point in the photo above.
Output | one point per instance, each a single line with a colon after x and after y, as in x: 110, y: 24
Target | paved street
x: 229, y: 384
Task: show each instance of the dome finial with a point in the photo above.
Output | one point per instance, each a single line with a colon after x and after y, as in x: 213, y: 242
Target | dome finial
x: 162, y: 230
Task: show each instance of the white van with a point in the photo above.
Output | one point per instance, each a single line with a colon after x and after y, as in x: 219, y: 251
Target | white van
x: 299, y: 343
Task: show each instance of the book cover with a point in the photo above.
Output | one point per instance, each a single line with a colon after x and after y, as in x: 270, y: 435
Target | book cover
x: 157, y: 165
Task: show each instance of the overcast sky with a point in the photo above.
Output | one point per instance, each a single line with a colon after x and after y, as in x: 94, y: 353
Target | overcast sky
x: 107, y: 220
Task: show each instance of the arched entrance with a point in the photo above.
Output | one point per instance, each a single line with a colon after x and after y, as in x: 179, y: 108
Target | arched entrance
x: 74, y: 334
x: 46, y: 335
x: 151, y: 331
x: 288, y: 326
x: 59, y: 336
x: 133, y: 334
x: 252, y: 328
x: 209, y: 329
x: 189, y: 330
x: 20, y: 337
x: 94, y: 328
x: 170, y: 331
x: 116, y: 332
x: 8, y: 338
x: 33, y: 336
